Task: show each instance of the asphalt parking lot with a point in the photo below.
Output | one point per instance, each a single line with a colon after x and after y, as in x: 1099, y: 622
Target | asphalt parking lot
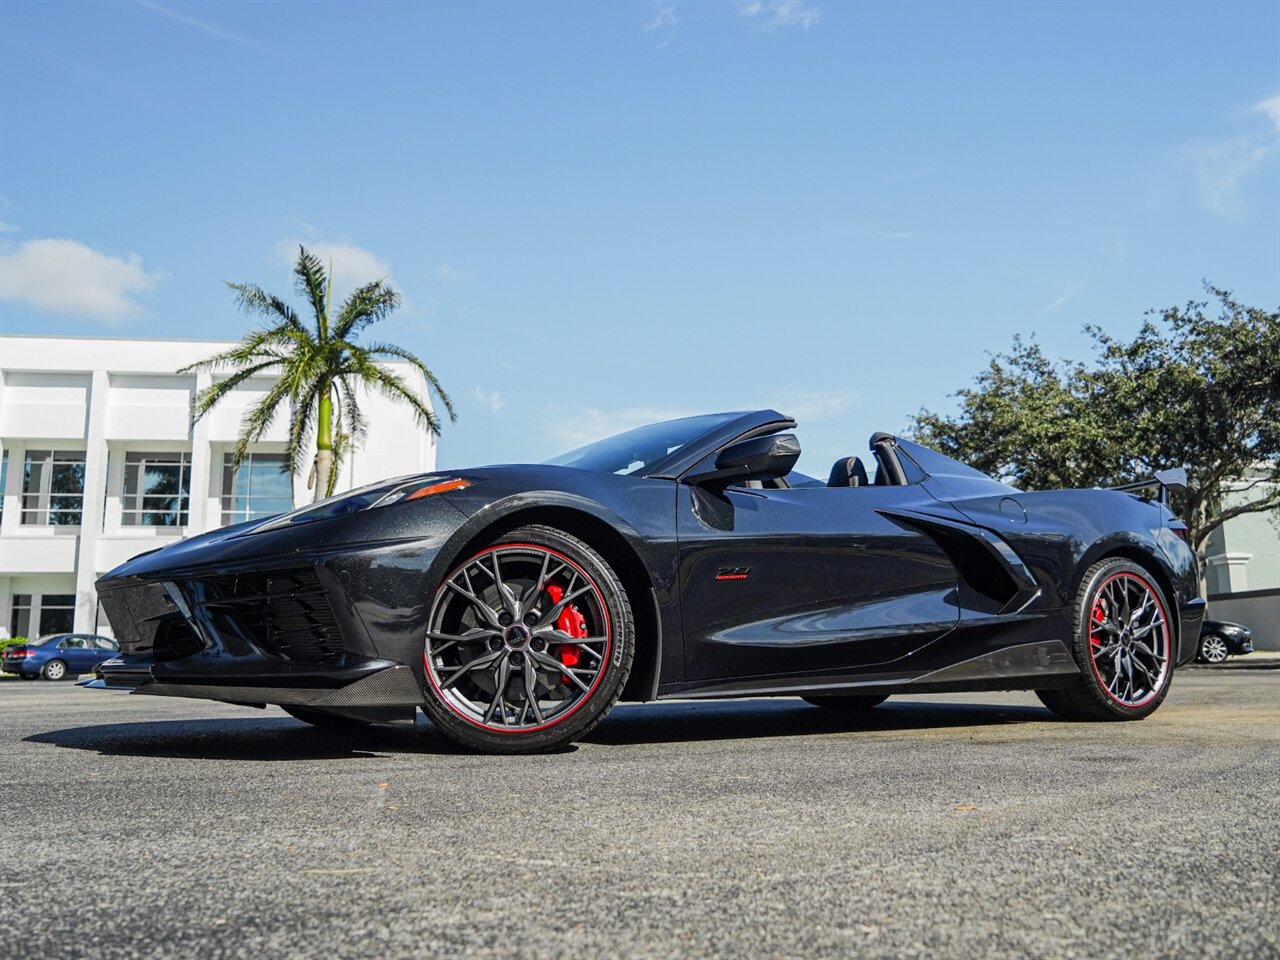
x: 950, y: 826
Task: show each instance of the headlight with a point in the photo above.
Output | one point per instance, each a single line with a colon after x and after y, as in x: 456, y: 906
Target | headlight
x: 418, y: 489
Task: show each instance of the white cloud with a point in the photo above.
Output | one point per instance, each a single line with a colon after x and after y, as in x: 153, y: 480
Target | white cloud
x: 490, y: 398
x: 7, y: 227
x: 349, y: 265
x: 780, y: 14
x: 1271, y: 108
x: 1222, y: 168
x: 197, y: 24
x: 664, y: 15
x: 571, y: 427
x: 813, y: 405
x: 447, y: 273
x: 65, y: 276
x: 1066, y: 295
x: 892, y: 234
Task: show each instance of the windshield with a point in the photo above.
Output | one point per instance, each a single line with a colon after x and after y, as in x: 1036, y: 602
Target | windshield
x: 637, y: 450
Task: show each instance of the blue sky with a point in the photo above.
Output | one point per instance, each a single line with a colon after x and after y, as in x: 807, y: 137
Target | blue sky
x: 601, y: 214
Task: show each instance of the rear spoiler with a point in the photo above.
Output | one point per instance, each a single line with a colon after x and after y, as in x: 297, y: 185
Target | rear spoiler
x: 1174, y: 480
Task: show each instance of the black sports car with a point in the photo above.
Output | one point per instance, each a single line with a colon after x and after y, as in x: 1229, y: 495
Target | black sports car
x: 1220, y: 639
x: 516, y: 604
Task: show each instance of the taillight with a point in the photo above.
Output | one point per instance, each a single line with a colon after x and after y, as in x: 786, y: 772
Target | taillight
x: 18, y: 653
x: 1181, y: 530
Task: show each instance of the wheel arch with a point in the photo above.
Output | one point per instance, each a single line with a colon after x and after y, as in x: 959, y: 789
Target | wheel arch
x: 605, y: 539
x: 1152, y: 565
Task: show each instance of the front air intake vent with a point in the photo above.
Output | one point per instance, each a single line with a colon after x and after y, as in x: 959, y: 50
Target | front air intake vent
x: 285, y: 613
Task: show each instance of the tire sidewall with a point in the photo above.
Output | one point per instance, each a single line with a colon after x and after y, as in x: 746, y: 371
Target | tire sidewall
x: 606, y: 693
x: 1099, y: 574
x: 1204, y: 657
x: 49, y: 665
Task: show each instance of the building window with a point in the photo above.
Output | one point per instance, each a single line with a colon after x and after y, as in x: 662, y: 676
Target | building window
x: 157, y: 489
x: 20, y: 621
x: 56, y: 613
x: 260, y: 487
x: 53, y: 487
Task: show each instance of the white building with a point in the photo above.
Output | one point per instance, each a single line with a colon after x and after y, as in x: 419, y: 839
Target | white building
x: 100, y: 462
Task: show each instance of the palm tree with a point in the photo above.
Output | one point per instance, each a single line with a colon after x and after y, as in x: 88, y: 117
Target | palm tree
x: 320, y: 370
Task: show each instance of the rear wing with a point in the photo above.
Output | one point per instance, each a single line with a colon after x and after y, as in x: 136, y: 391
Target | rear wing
x: 1174, y: 480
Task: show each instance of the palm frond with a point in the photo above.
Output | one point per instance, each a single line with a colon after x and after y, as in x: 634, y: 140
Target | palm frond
x: 365, y: 306
x: 310, y: 282
x: 253, y: 300
x: 392, y: 386
x: 205, y: 400
x: 391, y: 350
x: 257, y: 420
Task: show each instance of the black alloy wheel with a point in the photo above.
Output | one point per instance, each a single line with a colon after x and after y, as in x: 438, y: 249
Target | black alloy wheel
x: 1123, y: 645
x: 529, y: 643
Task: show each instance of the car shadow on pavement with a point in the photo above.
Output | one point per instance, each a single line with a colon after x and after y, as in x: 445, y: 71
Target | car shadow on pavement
x: 271, y: 738
x: 274, y: 738
x: 750, y: 719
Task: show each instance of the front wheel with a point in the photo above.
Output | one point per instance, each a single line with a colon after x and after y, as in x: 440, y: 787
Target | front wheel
x: 1123, y: 645
x: 529, y: 643
x: 1213, y: 649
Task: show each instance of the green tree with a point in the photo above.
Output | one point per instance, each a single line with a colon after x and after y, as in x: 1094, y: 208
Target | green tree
x: 1190, y: 389
x: 320, y: 368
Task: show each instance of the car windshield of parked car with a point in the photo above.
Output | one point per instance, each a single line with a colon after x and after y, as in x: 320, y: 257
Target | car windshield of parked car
x: 637, y: 450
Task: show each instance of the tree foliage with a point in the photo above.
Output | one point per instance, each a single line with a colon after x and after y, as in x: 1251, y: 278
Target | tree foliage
x: 1190, y: 389
x: 321, y: 368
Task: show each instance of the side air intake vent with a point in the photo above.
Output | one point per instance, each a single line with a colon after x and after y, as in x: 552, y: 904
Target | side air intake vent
x: 286, y: 613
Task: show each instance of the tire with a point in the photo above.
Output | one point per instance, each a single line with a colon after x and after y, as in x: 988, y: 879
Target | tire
x: 326, y: 721
x: 1213, y: 649
x: 529, y: 644
x: 55, y: 670
x: 848, y: 702
x: 1123, y: 644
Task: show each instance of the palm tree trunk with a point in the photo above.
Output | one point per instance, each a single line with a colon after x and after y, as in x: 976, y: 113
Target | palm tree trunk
x: 324, y: 444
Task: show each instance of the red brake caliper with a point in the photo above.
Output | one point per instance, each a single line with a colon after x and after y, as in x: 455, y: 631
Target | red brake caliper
x: 1099, y: 618
x: 571, y: 622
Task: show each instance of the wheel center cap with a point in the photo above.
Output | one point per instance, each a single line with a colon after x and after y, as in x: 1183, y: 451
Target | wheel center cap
x: 517, y: 636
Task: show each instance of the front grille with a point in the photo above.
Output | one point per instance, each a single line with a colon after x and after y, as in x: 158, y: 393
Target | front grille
x: 286, y: 613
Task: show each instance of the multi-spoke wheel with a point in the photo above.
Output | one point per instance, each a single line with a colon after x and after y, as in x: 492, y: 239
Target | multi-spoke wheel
x: 1213, y: 649
x: 55, y: 670
x: 1123, y: 644
x: 528, y: 645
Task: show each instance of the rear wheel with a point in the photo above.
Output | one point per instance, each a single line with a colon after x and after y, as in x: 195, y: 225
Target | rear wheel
x: 55, y: 670
x: 328, y: 721
x: 529, y: 644
x: 1123, y: 644
x: 1213, y: 649
x: 848, y: 702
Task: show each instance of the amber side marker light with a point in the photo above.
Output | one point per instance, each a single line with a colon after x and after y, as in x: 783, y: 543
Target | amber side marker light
x: 443, y: 487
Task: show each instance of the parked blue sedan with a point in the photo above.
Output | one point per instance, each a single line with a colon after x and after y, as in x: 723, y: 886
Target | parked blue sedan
x: 57, y: 655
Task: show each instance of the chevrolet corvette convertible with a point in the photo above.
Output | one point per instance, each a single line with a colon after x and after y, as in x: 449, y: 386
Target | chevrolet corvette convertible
x: 515, y: 605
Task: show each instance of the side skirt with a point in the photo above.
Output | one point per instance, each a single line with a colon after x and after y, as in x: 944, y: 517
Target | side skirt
x: 1042, y: 665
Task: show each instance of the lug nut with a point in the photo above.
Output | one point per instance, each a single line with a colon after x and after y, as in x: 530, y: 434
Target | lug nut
x: 495, y: 643
x: 538, y: 643
x: 517, y: 658
x: 504, y: 618
x: 530, y: 618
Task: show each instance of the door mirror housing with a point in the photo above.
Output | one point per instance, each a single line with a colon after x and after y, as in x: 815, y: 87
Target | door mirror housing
x: 757, y: 458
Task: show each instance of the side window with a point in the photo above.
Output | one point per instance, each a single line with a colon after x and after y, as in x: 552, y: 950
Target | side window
x: 75, y: 643
x: 103, y: 643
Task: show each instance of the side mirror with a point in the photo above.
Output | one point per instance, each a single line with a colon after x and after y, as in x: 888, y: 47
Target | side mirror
x: 759, y: 458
